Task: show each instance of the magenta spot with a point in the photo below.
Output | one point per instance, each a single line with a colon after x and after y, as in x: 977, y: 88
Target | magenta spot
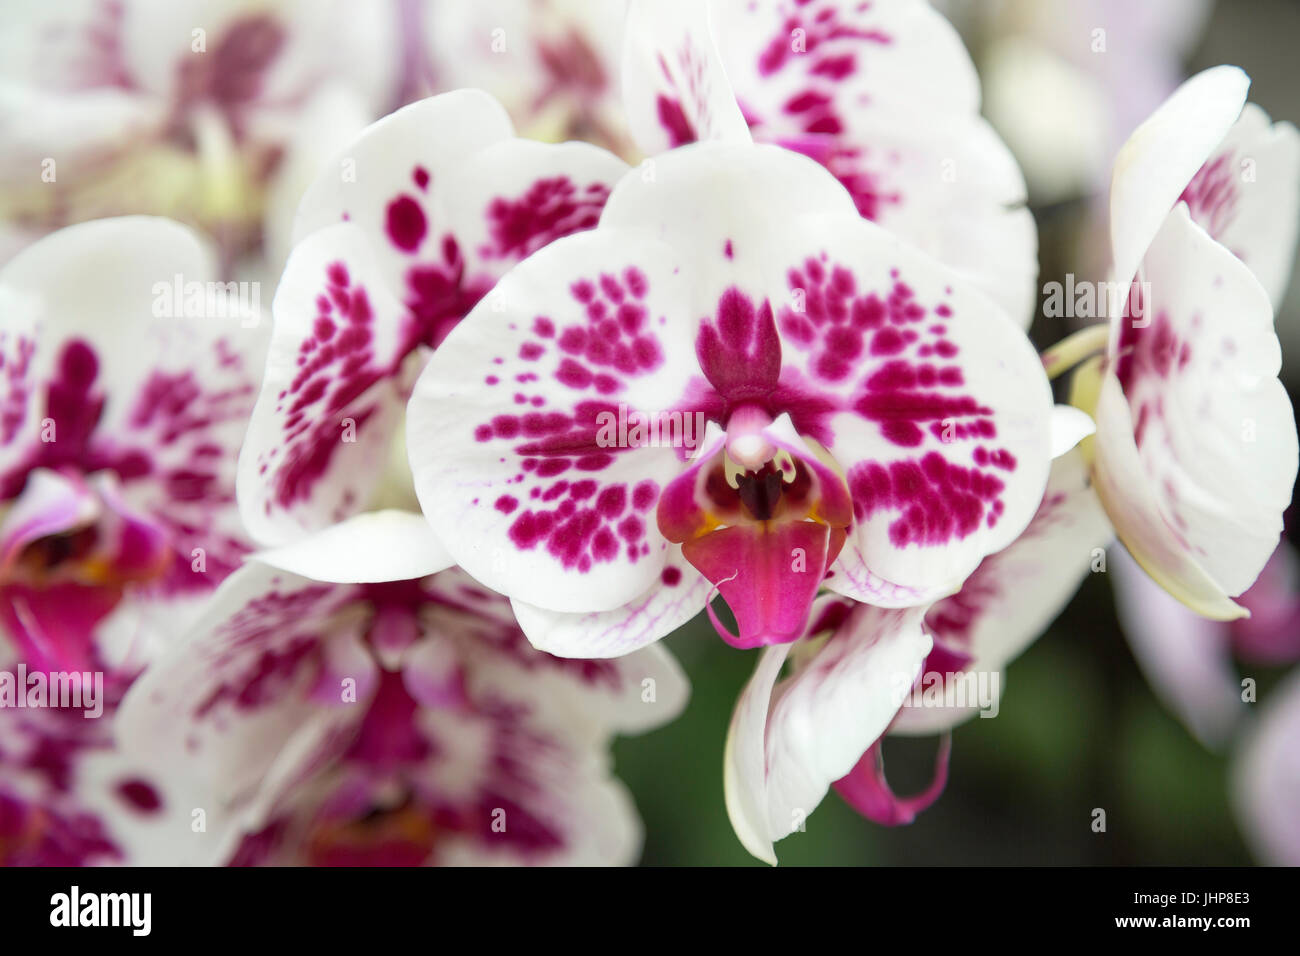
x: 644, y: 495
x: 674, y: 121
x: 550, y: 209
x: 140, y: 795
x: 405, y: 223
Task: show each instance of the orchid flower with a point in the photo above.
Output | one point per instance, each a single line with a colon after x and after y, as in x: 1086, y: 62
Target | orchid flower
x: 865, y: 410
x: 121, y: 416
x: 1195, y: 454
x: 397, y: 240
x: 882, y: 94
x: 212, y: 112
x: 861, y: 672
x: 353, y: 699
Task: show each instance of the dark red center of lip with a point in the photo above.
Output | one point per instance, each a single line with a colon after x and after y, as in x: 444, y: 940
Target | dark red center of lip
x: 760, y: 492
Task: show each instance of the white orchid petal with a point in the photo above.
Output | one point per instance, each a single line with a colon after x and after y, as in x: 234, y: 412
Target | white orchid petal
x: 513, y: 427
x: 678, y: 595
x: 815, y: 726
x: 373, y: 547
x: 1069, y: 427
x: 1196, y: 449
x: 1247, y: 196
x: 1161, y: 157
x: 333, y: 392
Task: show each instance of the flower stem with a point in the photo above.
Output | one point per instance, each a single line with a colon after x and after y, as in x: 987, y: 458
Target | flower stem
x: 1075, y: 348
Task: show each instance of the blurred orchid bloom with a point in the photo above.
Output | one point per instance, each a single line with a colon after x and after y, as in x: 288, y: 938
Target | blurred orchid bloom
x: 1066, y: 80
x: 553, y: 64
x: 1189, y: 660
x: 208, y: 111
x: 1195, y: 454
x: 444, y: 199
x: 861, y: 672
x: 353, y: 699
x: 1266, y: 778
x: 122, y: 411
x: 864, y: 410
x: 882, y: 94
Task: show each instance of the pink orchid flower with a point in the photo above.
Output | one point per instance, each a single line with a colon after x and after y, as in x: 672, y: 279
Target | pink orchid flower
x: 354, y: 699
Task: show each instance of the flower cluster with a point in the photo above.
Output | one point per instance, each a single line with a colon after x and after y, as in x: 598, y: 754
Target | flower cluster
x: 377, y: 577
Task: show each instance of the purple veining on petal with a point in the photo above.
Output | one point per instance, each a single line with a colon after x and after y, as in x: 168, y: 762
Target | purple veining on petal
x: 1213, y: 196
x: 16, y: 351
x: 820, y: 25
x: 337, y: 366
x: 857, y: 167
x: 560, y: 504
x: 550, y: 209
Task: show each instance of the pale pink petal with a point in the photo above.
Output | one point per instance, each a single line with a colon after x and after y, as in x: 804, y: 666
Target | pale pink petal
x: 1266, y: 779
x: 1186, y: 658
